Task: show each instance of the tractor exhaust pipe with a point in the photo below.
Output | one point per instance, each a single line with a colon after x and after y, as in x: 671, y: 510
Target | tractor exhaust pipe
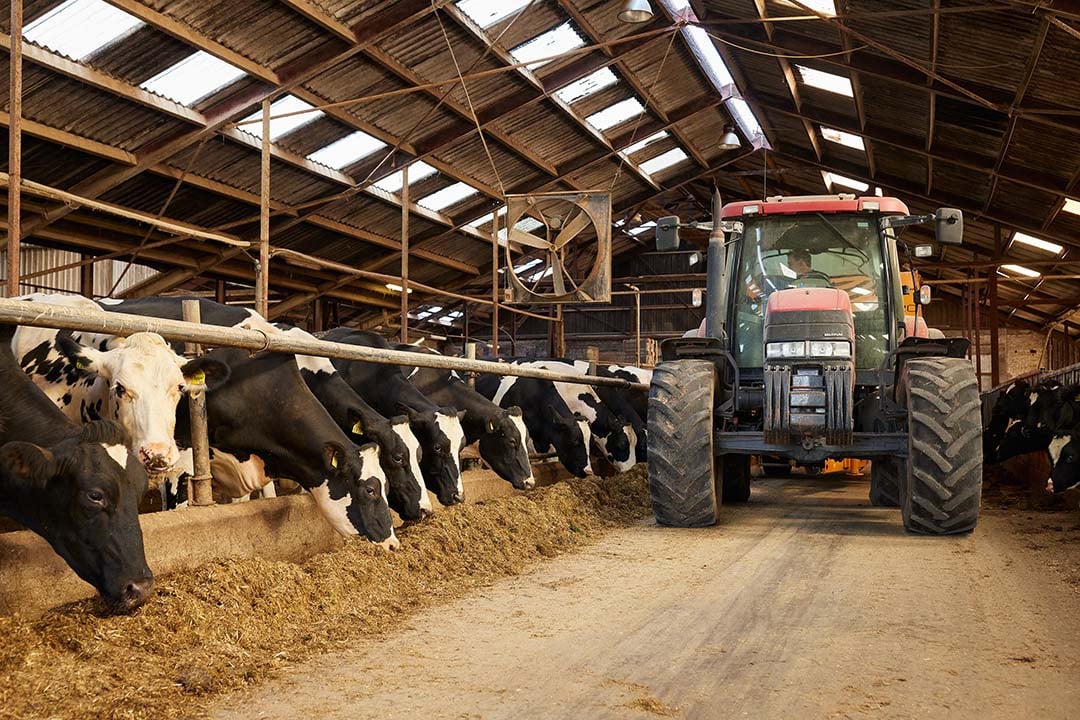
x: 714, y: 299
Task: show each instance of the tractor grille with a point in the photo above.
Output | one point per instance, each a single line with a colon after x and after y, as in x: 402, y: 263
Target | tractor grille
x: 813, y: 399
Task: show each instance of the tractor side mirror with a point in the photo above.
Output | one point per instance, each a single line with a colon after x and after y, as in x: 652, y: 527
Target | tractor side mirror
x: 667, y: 233
x: 924, y: 295
x: 949, y: 224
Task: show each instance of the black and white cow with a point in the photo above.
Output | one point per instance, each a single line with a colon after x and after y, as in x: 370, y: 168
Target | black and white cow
x: 502, y: 436
x: 622, y: 402
x: 78, y: 488
x: 638, y: 400
x: 136, y: 381
x: 399, y: 450
x: 273, y: 426
x: 549, y: 420
x: 437, y: 428
x: 613, y: 436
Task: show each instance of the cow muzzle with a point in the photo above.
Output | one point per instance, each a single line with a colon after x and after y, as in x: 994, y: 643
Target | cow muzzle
x: 135, y: 594
x: 390, y: 543
x: 158, y: 458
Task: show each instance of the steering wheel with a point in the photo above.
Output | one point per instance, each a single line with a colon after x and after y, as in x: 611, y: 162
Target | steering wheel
x: 815, y: 276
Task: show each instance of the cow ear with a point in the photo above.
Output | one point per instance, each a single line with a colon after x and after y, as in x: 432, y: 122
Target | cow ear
x: 356, y: 423
x: 460, y: 414
x: 514, y: 410
x: 205, y: 371
x: 86, y: 360
x: 25, y: 464
x: 108, y: 432
x: 413, y: 415
x: 333, y: 457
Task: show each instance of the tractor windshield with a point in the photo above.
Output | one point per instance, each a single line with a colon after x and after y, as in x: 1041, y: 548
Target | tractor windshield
x: 811, y: 250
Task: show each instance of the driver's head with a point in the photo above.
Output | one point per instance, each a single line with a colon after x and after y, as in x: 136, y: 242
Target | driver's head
x: 799, y: 261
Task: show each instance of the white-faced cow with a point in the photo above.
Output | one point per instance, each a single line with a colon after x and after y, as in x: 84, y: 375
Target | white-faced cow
x: 549, y: 420
x: 136, y: 381
x: 399, y: 450
x: 501, y: 434
x: 267, y: 419
x: 613, y: 436
x: 78, y: 488
x: 437, y: 428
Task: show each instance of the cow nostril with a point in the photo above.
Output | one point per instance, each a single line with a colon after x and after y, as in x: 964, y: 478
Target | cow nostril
x: 136, y: 593
x: 425, y: 513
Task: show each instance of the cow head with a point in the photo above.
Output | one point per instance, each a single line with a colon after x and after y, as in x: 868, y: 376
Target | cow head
x: 399, y: 455
x: 441, y: 436
x: 572, y: 437
x: 1065, y: 462
x: 145, y: 379
x: 82, y: 496
x: 353, y: 496
x: 612, y: 434
x: 505, y: 447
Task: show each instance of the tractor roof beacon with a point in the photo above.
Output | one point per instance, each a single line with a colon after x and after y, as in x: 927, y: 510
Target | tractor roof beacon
x: 807, y: 355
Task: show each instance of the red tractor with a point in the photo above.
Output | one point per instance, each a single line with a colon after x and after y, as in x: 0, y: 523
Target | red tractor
x: 807, y: 356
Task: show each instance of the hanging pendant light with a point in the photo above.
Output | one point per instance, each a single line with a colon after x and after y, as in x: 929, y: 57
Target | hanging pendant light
x: 636, y: 11
x: 729, y: 141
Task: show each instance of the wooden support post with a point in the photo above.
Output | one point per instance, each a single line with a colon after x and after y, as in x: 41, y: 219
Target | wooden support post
x: 221, y: 294
x: 558, y: 334
x: 405, y: 254
x: 992, y: 298
x: 592, y: 354
x: 470, y: 354
x: 318, y: 315
x: 637, y: 323
x: 262, y: 272
x: 14, y: 148
x: 495, y: 284
x: 978, y: 333
x: 86, y: 277
x: 200, y: 486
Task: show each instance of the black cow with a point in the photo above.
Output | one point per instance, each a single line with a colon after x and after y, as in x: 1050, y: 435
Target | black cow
x: 437, y: 428
x: 503, y: 438
x: 399, y: 450
x: 78, y: 488
x: 265, y: 416
x: 1010, y: 407
x: 548, y: 418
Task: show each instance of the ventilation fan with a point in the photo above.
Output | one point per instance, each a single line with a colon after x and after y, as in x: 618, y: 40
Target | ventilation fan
x: 558, y: 247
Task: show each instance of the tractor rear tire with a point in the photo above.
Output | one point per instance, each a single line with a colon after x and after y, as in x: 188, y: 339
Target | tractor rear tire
x: 885, y: 478
x: 736, y: 479
x: 682, y: 468
x: 943, y: 482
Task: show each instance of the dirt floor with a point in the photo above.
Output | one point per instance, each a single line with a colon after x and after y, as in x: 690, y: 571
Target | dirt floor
x: 805, y: 603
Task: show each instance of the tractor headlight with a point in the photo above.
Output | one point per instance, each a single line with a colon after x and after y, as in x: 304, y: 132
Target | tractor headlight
x: 830, y: 348
x: 785, y: 349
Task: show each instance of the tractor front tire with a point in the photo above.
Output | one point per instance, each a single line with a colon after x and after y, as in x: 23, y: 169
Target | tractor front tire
x: 885, y: 478
x: 943, y: 482
x: 682, y: 467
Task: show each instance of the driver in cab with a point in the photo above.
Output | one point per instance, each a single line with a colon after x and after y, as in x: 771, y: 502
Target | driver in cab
x: 799, y: 262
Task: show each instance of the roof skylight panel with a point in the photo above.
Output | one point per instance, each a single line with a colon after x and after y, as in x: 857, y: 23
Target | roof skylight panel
x: 586, y: 86
x: 193, y: 78
x: 553, y: 42
x: 616, y: 114
x: 1032, y: 241
x: 643, y: 228
x: 281, y: 126
x: 843, y: 138
x: 446, y: 197
x: 827, y: 81
x: 832, y: 179
x: 1072, y: 206
x: 417, y: 171
x: 745, y: 118
x: 1021, y: 270
x: 486, y: 13
x: 704, y: 48
x: 825, y: 7
x: 642, y: 144
x: 79, y: 28
x: 665, y: 160
x: 347, y: 150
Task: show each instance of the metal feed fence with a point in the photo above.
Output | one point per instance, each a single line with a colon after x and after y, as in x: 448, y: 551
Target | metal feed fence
x: 1066, y: 376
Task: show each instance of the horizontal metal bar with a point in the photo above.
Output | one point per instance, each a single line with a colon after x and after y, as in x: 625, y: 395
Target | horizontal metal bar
x: 862, y: 445
x: 22, y: 312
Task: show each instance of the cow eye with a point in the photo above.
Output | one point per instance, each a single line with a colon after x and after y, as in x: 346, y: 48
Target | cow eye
x: 121, y: 391
x: 399, y: 459
x: 370, y: 491
x: 96, y: 496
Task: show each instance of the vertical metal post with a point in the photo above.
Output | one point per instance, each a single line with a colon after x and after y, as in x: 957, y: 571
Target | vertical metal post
x: 14, y: 148
x: 262, y: 272
x: 495, y: 283
x: 86, y: 277
x: 714, y: 321
x: 637, y: 323
x: 995, y: 360
x: 200, y: 487
x: 318, y: 315
x: 978, y: 332
x: 592, y: 354
x: 470, y: 354
x: 405, y: 254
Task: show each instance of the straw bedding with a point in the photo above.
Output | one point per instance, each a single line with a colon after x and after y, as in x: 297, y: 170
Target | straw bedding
x: 229, y: 623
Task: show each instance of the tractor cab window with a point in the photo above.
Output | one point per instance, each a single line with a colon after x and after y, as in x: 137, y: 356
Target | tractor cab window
x: 813, y: 251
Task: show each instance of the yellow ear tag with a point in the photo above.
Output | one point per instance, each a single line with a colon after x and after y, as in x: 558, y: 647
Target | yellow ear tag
x: 199, y: 378
x: 491, y: 426
x: 1077, y: 398
x: 82, y: 364
x: 358, y: 428
x: 333, y: 460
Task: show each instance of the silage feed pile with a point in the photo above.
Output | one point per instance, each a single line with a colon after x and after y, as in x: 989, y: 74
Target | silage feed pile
x: 230, y: 623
